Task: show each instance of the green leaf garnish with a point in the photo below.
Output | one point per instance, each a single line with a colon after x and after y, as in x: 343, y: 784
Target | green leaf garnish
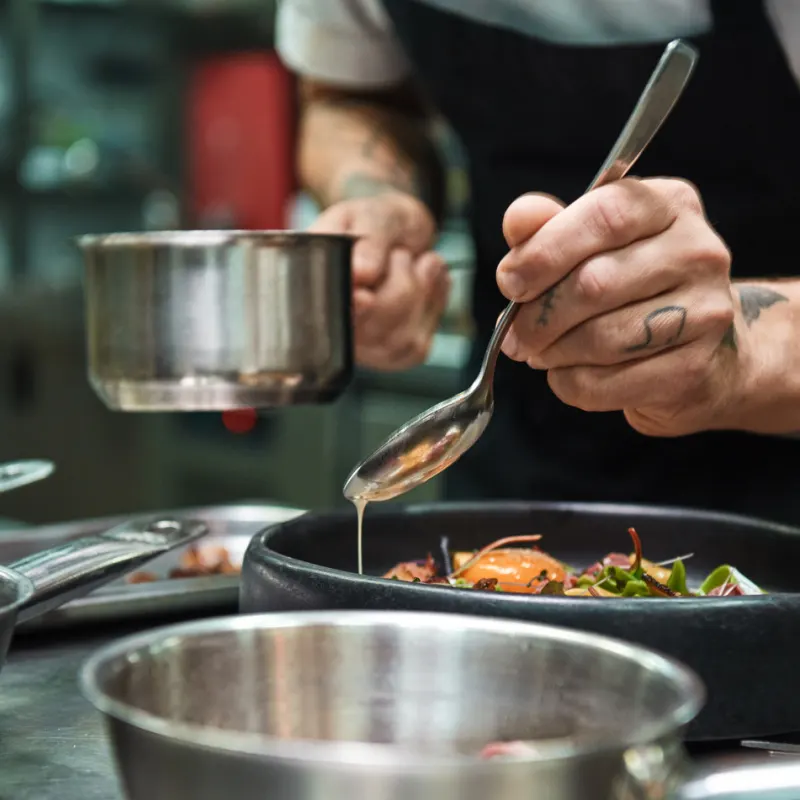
x: 677, y: 578
x: 635, y: 588
x: 717, y: 578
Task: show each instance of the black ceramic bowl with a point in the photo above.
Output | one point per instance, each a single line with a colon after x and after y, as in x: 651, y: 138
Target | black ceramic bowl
x: 744, y: 648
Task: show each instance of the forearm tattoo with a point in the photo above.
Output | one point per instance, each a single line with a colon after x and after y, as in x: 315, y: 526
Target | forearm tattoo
x: 405, y: 160
x: 755, y: 299
x: 359, y: 184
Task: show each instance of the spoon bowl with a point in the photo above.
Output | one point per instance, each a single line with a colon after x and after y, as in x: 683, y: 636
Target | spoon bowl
x: 422, y: 448
x: 438, y: 437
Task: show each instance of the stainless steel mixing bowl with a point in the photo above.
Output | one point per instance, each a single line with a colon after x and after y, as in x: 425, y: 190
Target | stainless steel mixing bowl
x: 215, y: 320
x: 387, y: 705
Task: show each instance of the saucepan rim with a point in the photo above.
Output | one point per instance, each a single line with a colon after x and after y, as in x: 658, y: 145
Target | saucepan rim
x: 186, y: 239
x: 367, y: 756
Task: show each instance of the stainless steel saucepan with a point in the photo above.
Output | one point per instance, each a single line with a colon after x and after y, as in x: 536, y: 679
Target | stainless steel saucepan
x: 46, y: 580
x: 216, y: 320
x: 388, y: 705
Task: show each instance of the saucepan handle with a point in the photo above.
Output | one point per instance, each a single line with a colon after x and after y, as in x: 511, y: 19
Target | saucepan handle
x: 743, y: 778
x: 80, y: 566
x: 20, y: 473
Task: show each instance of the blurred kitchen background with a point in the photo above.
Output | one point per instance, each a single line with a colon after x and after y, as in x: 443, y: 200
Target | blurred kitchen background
x: 120, y: 115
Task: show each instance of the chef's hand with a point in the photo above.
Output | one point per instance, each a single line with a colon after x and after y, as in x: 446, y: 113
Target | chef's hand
x: 628, y: 304
x: 400, y: 286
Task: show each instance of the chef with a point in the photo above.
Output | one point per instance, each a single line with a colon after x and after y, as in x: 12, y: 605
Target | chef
x: 654, y: 359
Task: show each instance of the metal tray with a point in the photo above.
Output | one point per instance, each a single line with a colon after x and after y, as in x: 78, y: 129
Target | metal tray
x: 231, y: 526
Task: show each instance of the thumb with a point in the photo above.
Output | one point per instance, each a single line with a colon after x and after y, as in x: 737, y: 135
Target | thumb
x: 527, y: 214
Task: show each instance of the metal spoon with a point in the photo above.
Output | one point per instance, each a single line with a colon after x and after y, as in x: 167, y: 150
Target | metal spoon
x: 432, y: 441
x: 20, y: 473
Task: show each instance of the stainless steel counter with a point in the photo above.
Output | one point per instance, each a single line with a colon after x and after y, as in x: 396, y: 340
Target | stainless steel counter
x: 52, y: 743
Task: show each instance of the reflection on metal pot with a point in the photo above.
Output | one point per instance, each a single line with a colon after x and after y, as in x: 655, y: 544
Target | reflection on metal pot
x: 214, y: 320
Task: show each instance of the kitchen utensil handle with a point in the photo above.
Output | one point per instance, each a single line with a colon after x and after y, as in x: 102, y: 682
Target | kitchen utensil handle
x: 76, y: 568
x: 659, y: 97
x: 657, y: 100
x: 20, y: 473
x: 773, y: 748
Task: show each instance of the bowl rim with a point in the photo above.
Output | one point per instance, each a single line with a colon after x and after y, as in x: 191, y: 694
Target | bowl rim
x: 370, y: 757
x: 261, y: 552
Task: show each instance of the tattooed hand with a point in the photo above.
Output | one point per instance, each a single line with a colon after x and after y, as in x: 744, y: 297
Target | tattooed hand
x: 400, y: 286
x: 628, y: 304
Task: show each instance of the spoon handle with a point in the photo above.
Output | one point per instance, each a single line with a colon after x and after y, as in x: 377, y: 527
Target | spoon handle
x: 662, y: 91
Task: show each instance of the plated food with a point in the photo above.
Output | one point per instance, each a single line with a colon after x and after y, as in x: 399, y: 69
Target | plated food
x: 503, y: 567
x: 196, y: 562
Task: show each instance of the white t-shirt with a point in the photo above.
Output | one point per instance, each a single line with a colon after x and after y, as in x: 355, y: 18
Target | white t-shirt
x: 352, y: 43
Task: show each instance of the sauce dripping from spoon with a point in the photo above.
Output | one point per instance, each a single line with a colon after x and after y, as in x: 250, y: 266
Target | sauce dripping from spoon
x: 406, y: 463
x: 360, y: 503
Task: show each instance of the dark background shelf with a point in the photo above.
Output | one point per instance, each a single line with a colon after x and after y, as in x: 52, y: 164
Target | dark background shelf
x: 164, y: 38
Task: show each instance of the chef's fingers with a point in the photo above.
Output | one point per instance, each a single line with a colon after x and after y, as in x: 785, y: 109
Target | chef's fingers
x: 434, y: 282
x: 675, y: 379
x: 605, y: 219
x: 689, y: 254
x: 394, y: 298
x: 642, y: 329
x: 527, y: 214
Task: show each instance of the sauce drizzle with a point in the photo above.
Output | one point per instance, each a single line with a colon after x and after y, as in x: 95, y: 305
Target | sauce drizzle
x: 360, y: 503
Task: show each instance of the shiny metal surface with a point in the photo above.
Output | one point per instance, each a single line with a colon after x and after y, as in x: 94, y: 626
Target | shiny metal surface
x: 371, y: 704
x: 435, y: 439
x: 231, y: 527
x: 773, y: 748
x: 744, y: 779
x: 659, y: 97
x: 52, y: 577
x: 15, y: 474
x: 214, y: 320
x: 53, y: 745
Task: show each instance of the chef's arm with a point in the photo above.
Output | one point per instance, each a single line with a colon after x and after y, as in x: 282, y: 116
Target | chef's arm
x: 770, y: 321
x: 363, y: 143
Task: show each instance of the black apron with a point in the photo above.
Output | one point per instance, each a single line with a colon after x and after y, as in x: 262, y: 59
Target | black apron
x: 537, y: 116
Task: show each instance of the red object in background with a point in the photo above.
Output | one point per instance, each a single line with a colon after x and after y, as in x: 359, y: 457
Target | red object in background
x: 240, y: 420
x: 240, y: 125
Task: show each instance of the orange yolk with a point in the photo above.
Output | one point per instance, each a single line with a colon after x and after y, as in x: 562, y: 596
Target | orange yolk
x: 516, y: 570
